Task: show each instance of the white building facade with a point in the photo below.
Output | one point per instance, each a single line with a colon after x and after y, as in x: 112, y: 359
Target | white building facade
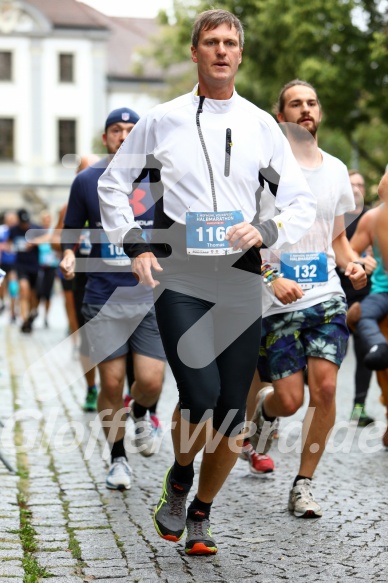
x: 56, y: 89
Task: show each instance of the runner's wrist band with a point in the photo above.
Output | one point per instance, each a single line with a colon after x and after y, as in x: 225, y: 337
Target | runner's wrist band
x: 268, y: 281
x: 269, y: 273
x: 272, y: 281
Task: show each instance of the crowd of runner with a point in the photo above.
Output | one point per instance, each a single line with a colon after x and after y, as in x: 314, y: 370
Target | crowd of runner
x: 232, y: 247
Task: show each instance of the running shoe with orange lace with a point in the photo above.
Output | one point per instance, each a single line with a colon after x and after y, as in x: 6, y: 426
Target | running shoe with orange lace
x: 199, y: 536
x: 258, y: 463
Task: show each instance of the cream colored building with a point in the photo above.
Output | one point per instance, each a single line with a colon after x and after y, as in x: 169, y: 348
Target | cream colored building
x: 63, y: 67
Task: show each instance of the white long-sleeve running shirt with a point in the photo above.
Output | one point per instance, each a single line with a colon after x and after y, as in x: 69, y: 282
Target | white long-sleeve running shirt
x: 206, y: 155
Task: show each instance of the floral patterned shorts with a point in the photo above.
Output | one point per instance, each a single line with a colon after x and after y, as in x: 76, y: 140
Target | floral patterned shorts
x: 289, y: 338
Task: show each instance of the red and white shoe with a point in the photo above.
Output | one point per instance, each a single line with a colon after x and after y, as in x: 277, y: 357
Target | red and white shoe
x: 128, y: 404
x: 259, y: 463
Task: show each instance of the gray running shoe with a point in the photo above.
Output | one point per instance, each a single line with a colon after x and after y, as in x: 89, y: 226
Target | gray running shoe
x: 170, y: 512
x: 302, y: 502
x: 119, y: 475
x: 265, y: 430
x: 199, y: 537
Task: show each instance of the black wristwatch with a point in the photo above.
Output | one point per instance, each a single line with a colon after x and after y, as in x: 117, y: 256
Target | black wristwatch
x: 359, y: 263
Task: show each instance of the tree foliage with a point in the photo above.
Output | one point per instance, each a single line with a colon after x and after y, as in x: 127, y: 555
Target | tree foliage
x: 340, y: 46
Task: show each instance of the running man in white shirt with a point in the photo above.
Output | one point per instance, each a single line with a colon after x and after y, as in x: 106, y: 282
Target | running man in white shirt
x: 311, y: 330
x: 209, y: 154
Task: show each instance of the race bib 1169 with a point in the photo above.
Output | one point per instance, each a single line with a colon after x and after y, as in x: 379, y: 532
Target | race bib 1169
x: 206, y: 232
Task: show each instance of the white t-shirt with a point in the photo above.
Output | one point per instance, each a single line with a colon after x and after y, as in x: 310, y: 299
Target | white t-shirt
x: 311, y: 261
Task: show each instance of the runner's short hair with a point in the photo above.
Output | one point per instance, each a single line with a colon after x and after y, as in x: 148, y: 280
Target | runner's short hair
x: 211, y: 19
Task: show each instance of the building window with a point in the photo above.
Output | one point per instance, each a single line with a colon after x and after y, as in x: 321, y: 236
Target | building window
x: 6, y: 139
x: 66, y: 137
x: 5, y: 66
x: 66, y: 68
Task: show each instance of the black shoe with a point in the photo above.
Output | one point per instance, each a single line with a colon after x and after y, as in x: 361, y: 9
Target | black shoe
x: 33, y: 315
x: 359, y: 417
x: 377, y: 357
x: 26, y: 327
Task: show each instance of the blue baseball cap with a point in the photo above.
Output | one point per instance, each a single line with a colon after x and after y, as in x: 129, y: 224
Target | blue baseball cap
x: 24, y: 216
x: 123, y: 114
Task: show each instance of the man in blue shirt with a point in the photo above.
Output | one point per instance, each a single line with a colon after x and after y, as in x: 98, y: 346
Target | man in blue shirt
x: 119, y: 312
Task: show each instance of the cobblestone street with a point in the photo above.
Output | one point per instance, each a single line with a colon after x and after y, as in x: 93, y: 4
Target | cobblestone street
x: 58, y: 518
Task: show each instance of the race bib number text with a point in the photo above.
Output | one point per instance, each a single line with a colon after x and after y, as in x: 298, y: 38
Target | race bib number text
x: 206, y: 232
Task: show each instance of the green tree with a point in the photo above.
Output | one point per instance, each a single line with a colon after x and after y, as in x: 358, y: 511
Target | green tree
x: 340, y: 46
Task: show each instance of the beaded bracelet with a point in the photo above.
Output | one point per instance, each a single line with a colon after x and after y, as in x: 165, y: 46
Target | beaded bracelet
x: 269, y: 273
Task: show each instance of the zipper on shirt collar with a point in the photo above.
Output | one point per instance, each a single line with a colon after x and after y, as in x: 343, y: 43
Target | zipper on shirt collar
x: 207, y: 158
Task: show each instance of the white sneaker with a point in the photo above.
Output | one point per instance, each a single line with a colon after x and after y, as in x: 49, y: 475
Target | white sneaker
x: 265, y: 430
x: 301, y: 501
x: 119, y: 475
x: 147, y: 434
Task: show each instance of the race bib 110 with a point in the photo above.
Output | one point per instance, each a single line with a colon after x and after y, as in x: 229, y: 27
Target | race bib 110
x: 112, y: 254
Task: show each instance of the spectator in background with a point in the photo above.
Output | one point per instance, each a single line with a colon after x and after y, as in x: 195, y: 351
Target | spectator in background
x: 363, y: 375
x: 79, y: 284
x: 7, y: 264
x: 74, y: 293
x: 382, y: 234
x: 48, y: 263
x: 374, y: 307
x: 67, y: 286
x: 27, y: 267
